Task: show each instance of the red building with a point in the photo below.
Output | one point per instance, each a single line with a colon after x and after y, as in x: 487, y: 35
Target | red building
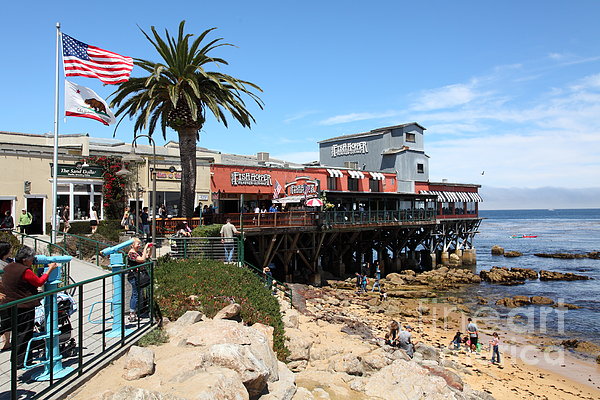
x: 454, y: 200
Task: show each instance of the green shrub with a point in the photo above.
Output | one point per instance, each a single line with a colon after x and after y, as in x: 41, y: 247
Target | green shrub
x: 153, y: 338
x: 15, y: 243
x: 213, y: 230
x: 110, y: 229
x: 214, y: 284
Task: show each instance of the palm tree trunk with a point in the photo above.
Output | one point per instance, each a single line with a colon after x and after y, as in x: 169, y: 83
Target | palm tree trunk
x: 187, y: 156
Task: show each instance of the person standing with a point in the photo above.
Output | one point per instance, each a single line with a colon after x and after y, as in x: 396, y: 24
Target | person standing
x: 25, y: 220
x: 495, y: 343
x: 473, y: 334
x: 5, y: 248
x: 227, y: 232
x: 136, y: 256
x: 145, y: 219
x: 65, y: 219
x: 94, y: 219
x: 7, y: 223
x: 377, y: 277
x: 18, y: 282
x: 126, y: 220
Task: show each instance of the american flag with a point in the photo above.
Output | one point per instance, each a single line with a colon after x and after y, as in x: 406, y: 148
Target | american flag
x: 81, y: 59
x: 276, y: 190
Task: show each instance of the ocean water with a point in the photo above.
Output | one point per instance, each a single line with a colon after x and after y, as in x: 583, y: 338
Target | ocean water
x: 558, y: 231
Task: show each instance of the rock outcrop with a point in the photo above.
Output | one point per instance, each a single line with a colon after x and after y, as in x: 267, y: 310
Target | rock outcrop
x: 513, y: 253
x: 520, y: 301
x: 504, y: 275
x: 559, y: 276
x: 497, y: 250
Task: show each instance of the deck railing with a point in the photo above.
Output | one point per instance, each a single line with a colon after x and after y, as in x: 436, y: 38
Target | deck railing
x: 88, y: 329
x: 208, y: 248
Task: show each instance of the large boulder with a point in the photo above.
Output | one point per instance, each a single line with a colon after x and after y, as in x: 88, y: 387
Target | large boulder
x: 290, y: 319
x: 559, y: 276
x: 253, y: 372
x: 299, y: 345
x: 212, y: 384
x: 133, y: 393
x: 452, y: 379
x: 497, y: 250
x: 267, y: 330
x: 231, y: 311
x: 349, y: 363
x: 404, y: 380
x: 428, y: 352
x: 208, y: 333
x: 139, y: 363
x: 187, y: 319
x: 513, y: 253
x: 541, y: 300
x: 283, y: 389
x: 515, y: 301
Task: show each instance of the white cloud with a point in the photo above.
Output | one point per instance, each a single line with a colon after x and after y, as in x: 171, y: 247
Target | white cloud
x: 342, y: 119
x: 446, y: 97
x: 299, y: 115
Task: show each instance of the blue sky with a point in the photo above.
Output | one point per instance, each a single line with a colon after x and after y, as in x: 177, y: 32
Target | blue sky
x: 511, y: 88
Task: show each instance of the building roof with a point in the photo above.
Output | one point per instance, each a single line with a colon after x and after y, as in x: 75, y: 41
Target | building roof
x: 377, y: 131
x: 253, y: 161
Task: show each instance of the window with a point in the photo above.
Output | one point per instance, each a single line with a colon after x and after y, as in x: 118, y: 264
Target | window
x: 170, y: 199
x: 374, y: 185
x: 410, y: 137
x: 420, y: 168
x: 351, y: 164
x: 352, y: 184
x: 332, y: 183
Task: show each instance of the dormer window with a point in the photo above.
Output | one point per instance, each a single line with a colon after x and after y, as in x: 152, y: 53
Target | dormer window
x: 420, y: 168
x: 411, y: 137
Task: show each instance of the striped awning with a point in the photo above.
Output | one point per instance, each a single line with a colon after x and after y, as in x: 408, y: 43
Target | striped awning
x: 356, y: 174
x: 335, y: 173
x: 454, y: 197
x: 377, y: 176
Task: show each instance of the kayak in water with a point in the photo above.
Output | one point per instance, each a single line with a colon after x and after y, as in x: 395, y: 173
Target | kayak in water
x: 522, y: 236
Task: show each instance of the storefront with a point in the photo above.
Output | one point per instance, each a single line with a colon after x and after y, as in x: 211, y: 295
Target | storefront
x: 80, y: 188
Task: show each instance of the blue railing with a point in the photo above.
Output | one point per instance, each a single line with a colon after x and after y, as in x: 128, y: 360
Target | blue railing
x: 72, y: 335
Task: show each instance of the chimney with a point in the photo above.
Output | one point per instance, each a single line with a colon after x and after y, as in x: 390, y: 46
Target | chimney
x: 262, y: 156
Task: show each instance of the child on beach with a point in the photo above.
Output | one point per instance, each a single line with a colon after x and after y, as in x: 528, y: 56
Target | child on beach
x: 495, y: 343
x: 456, y: 340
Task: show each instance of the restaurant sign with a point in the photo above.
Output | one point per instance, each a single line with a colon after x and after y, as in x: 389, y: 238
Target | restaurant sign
x: 73, y: 171
x: 250, y: 179
x: 302, y: 185
x: 346, y: 149
x: 167, y: 175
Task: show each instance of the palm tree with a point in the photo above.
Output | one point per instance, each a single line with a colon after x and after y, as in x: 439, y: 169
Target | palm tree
x: 177, y: 93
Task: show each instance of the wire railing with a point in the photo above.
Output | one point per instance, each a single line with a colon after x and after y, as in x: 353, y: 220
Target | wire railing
x: 209, y: 248
x: 83, y: 247
x: 65, y: 336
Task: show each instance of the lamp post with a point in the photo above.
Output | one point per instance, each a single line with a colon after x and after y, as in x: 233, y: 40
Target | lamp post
x: 133, y: 157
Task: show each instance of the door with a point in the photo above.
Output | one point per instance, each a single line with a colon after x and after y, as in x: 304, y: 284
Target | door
x: 36, y: 208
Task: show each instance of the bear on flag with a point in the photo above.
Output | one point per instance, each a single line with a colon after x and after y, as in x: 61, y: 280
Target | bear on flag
x: 81, y: 101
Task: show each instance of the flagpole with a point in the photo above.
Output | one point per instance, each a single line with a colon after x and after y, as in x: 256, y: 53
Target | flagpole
x: 55, y: 155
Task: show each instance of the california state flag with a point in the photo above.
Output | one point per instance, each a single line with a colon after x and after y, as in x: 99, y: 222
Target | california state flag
x: 84, y: 102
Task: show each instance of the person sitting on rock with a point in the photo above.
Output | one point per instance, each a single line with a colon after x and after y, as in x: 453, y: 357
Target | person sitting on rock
x: 391, y: 337
x: 405, y: 341
x: 456, y: 340
x: 382, y: 295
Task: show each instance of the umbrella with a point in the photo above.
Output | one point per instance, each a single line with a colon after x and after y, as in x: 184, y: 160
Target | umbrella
x: 314, y: 202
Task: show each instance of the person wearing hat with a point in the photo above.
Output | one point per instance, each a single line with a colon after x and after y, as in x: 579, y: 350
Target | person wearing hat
x: 405, y: 341
x: 25, y: 220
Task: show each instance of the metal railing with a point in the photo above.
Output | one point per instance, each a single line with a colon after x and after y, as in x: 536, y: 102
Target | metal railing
x: 72, y: 334
x: 330, y: 218
x: 271, y: 283
x: 269, y: 219
x: 208, y: 248
x: 83, y: 247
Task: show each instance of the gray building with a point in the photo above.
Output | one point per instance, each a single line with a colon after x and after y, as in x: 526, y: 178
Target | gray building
x: 399, y: 149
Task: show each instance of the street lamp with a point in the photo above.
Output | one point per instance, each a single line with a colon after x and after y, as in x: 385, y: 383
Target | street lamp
x: 133, y: 157
x: 153, y: 203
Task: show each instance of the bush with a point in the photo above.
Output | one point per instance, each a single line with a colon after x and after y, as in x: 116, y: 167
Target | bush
x: 213, y: 230
x: 153, y: 338
x: 15, y: 243
x: 109, y: 229
x: 214, y: 284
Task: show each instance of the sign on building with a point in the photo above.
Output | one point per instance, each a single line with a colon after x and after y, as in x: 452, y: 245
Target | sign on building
x: 250, y: 179
x: 346, y: 149
x: 73, y: 171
